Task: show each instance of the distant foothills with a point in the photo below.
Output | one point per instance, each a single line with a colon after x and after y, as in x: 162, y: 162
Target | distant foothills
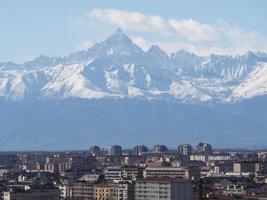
x: 115, y: 92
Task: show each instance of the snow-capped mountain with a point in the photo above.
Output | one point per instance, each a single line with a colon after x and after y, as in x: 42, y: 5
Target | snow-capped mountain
x: 117, y: 68
x: 115, y: 88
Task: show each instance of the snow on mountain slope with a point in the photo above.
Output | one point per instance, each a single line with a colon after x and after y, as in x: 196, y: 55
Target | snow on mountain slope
x: 217, y: 89
x: 117, y: 68
x: 254, y: 85
x: 17, y: 86
x: 69, y: 82
x: 230, y: 68
x: 42, y: 62
x: 9, y: 66
x: 185, y: 91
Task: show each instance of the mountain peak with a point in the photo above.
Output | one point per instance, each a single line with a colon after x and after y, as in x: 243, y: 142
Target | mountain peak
x: 154, y: 48
x: 118, y: 31
x: 119, y: 36
x: 118, y: 44
x: 157, y: 51
x: 250, y: 54
x: 42, y: 61
x: 183, y: 52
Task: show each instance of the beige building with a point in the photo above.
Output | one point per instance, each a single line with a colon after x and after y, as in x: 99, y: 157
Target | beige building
x: 106, y: 191
x: 57, y: 164
x: 174, y: 172
x: 163, y: 188
x: 117, y: 190
x: 82, y: 190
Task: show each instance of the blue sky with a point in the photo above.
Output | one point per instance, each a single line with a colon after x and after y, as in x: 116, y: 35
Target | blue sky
x: 30, y: 28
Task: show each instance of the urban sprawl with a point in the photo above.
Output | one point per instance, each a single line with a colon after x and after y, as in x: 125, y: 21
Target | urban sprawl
x: 141, y: 173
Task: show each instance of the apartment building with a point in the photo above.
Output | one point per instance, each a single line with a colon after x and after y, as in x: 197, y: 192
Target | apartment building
x: 163, y: 188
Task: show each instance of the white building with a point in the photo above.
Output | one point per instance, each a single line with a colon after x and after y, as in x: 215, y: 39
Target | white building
x: 199, y: 157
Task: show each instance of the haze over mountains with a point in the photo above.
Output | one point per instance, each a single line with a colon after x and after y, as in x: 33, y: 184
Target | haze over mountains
x: 116, y: 92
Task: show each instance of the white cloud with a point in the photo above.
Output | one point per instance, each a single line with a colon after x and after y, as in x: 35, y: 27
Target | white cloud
x: 191, y: 35
x: 193, y: 30
x: 199, y: 49
x: 86, y: 44
x: 141, y: 42
x: 239, y: 40
x: 189, y: 29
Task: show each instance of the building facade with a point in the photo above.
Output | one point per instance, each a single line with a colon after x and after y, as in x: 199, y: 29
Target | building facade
x: 163, y: 188
x: 32, y: 193
x: 115, y: 150
x: 185, y: 149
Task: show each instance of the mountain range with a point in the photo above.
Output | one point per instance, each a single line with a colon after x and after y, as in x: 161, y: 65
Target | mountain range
x: 116, y: 92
